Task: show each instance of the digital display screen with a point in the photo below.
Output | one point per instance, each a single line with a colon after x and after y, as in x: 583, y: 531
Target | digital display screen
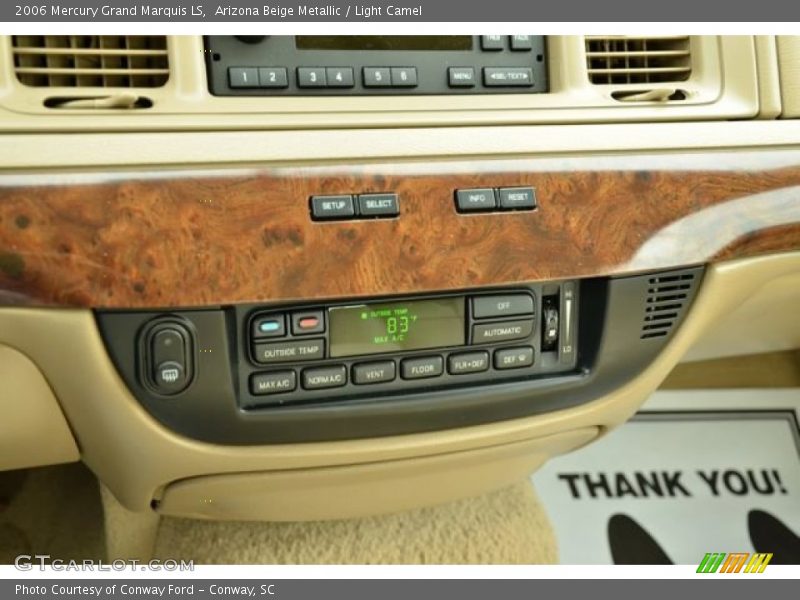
x: 383, y: 42
x: 396, y: 326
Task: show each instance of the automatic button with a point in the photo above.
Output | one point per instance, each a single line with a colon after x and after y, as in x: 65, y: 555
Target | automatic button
x: 324, y: 377
x: 295, y: 350
x: 468, y: 362
x: 513, y: 358
x: 488, y: 333
x: 502, y: 306
x: 374, y: 372
x: 422, y: 368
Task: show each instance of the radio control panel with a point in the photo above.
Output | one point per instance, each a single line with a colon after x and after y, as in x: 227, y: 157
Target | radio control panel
x: 309, y: 65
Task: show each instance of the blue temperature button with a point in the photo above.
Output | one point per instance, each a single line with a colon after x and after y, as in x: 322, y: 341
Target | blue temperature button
x: 269, y: 326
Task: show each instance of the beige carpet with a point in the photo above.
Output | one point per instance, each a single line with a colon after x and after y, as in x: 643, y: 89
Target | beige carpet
x: 505, y: 527
x: 51, y: 510
x: 58, y: 511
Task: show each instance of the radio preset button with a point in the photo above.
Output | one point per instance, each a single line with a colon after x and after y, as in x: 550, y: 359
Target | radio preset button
x: 521, y: 42
x: 513, y: 358
x: 422, y: 368
x: 475, y: 200
x: 487, y: 333
x: 404, y: 77
x: 243, y: 77
x: 311, y: 77
x: 374, y: 372
x: 461, y: 76
x: 305, y: 322
x: 273, y: 77
x: 493, y: 42
x: 378, y: 205
x: 502, y: 306
x: 507, y: 76
x: 340, y: 77
x: 278, y: 382
x: 324, y: 377
x: 520, y: 198
x: 468, y: 362
x: 269, y: 326
x: 291, y: 351
x: 332, y: 207
x: 377, y: 77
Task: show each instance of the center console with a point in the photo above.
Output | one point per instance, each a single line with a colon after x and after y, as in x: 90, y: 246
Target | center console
x: 367, y: 367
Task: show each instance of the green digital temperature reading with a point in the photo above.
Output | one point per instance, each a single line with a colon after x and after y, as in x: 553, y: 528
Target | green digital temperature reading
x: 390, y: 327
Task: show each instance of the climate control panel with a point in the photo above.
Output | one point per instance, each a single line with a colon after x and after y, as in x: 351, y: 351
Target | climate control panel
x: 367, y: 367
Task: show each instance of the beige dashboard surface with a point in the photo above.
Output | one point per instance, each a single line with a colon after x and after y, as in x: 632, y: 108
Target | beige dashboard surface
x: 136, y: 457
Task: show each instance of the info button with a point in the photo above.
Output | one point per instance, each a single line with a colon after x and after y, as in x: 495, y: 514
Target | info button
x: 475, y: 200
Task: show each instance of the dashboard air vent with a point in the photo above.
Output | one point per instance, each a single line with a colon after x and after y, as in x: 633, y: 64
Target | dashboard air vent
x: 668, y: 296
x: 108, y: 61
x: 627, y: 59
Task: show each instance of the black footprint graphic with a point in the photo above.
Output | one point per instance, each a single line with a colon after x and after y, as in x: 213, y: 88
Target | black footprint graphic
x: 631, y: 544
x: 770, y: 534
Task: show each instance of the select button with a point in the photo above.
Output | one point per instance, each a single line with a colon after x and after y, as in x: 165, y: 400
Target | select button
x: 280, y: 352
x: 487, y: 333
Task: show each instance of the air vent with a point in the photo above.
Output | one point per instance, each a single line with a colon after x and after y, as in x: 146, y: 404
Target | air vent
x: 626, y: 59
x: 668, y: 295
x: 108, y: 61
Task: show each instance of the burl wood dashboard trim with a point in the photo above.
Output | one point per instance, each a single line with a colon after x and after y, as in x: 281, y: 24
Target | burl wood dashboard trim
x: 203, y: 237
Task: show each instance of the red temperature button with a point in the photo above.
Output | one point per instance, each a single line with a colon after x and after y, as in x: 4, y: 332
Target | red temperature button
x: 310, y: 321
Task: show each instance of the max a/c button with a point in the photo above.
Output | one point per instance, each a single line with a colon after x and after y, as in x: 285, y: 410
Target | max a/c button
x: 280, y: 382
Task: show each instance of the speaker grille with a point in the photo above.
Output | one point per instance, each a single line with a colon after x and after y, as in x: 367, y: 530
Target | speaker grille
x: 668, y: 295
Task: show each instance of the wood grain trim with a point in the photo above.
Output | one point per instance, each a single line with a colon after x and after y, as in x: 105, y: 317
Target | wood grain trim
x: 196, y: 238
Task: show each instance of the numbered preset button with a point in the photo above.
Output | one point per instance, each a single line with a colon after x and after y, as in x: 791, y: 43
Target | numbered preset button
x: 273, y: 77
x: 340, y: 77
x: 311, y: 77
x: 377, y: 77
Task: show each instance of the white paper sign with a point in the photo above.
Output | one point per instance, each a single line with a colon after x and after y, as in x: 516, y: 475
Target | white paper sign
x: 688, y: 482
